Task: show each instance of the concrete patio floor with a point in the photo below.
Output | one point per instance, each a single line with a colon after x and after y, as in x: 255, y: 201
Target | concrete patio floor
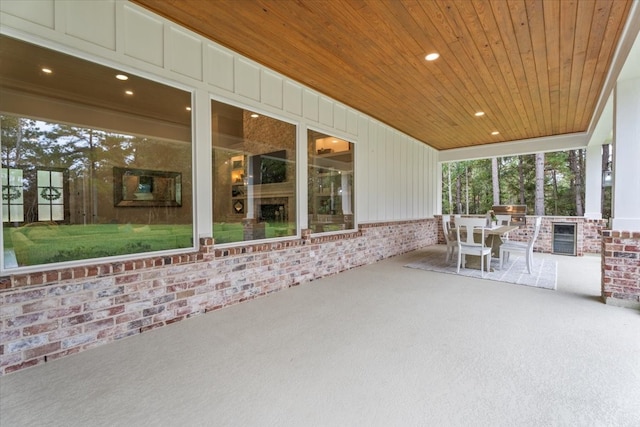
x: 380, y: 345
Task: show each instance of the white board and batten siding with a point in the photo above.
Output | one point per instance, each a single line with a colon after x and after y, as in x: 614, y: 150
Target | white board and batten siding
x: 396, y: 176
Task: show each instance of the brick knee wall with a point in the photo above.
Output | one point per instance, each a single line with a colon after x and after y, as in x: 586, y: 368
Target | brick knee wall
x: 53, y: 314
x: 587, y: 239
x: 621, y: 268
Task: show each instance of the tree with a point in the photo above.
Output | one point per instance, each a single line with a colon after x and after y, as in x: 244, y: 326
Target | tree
x: 520, y: 181
x: 576, y: 164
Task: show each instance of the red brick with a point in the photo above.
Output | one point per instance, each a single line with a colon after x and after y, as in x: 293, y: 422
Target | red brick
x: 109, y: 312
x: 24, y: 365
x: 100, y: 324
x: 41, y: 351
x: 127, y: 317
x: 79, y: 273
x: 41, y: 305
x: 75, y: 320
x: 59, y: 334
x: 25, y: 320
x: 129, y: 278
x: 185, y: 294
x: 25, y: 296
x: 63, y: 353
x: 52, y: 276
x: 151, y: 327
x: 92, y: 270
x: 64, y: 312
x: 40, y: 328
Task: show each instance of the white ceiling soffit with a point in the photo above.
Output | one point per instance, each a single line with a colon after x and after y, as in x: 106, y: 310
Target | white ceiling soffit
x: 526, y: 146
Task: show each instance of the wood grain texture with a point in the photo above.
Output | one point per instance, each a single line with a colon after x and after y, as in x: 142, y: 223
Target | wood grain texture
x: 535, y: 67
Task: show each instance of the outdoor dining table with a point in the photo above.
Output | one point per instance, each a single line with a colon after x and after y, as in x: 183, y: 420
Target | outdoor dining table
x: 493, y: 238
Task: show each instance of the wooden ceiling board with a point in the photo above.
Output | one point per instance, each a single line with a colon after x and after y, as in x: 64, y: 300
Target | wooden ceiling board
x: 604, y: 59
x: 552, y: 38
x: 535, y: 67
x: 484, y: 70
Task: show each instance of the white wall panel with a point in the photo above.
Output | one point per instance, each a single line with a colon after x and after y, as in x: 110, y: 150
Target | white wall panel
x: 418, y: 180
x: 143, y: 37
x: 340, y: 117
x: 39, y: 12
x: 326, y: 111
x: 92, y: 21
x: 219, y: 68
x: 271, y: 88
x: 362, y: 192
x: 433, y: 181
x: 310, y: 105
x: 393, y: 179
x: 412, y: 182
x: 185, y: 55
x: 388, y: 169
x: 248, y: 79
x: 366, y: 176
x: 403, y: 173
x: 374, y: 179
x: 293, y: 98
x: 378, y: 179
x: 352, y: 121
x: 427, y: 186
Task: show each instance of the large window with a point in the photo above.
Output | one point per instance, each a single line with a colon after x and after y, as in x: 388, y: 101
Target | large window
x: 92, y: 164
x: 330, y: 183
x: 254, y: 175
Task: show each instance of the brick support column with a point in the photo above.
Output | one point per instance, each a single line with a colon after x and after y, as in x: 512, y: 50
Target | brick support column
x: 621, y: 268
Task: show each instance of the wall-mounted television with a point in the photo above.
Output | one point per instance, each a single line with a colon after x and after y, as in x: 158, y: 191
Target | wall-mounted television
x: 269, y: 168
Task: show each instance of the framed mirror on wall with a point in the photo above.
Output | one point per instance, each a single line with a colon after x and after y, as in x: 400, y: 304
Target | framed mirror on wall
x: 141, y: 187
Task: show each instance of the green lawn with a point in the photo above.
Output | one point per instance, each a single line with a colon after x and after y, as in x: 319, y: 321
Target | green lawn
x: 230, y: 232
x: 44, y: 243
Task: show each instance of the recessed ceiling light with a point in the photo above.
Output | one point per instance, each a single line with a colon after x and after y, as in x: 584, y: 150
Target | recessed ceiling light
x: 254, y: 115
x: 495, y: 132
x: 122, y: 77
x: 128, y: 92
x: 188, y: 108
x: 479, y: 114
x: 432, y: 56
x: 47, y: 70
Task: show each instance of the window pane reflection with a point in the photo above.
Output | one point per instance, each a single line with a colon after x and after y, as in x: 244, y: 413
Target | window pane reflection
x: 254, y: 175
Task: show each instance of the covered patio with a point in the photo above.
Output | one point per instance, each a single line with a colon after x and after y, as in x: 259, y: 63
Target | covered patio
x: 321, y: 324
x: 351, y: 349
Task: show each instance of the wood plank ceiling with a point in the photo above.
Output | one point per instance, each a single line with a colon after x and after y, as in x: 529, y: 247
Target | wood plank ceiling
x: 535, y: 68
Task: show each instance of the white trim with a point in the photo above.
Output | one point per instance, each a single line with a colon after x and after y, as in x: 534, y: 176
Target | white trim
x: 572, y: 141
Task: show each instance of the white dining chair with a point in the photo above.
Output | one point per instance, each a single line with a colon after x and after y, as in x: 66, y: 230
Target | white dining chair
x: 521, y: 247
x: 449, y: 237
x: 468, y: 246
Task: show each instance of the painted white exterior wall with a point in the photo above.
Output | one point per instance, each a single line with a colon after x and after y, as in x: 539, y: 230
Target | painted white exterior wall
x: 396, y: 176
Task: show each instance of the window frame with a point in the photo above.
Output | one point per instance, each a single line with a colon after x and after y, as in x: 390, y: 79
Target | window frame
x: 132, y: 71
x: 298, y: 125
x: 352, y: 140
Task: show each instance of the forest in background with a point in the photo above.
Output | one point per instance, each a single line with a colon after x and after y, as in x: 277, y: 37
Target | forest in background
x: 547, y: 183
